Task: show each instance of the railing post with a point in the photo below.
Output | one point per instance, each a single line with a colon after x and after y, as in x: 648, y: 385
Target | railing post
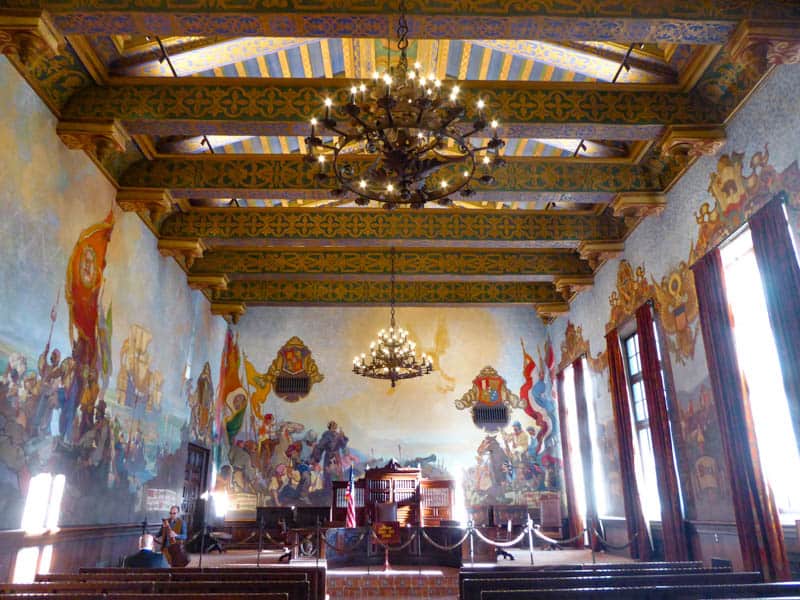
x: 471, y: 543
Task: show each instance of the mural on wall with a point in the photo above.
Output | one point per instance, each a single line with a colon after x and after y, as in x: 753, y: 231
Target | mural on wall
x: 677, y: 310
x: 737, y: 196
x: 201, y: 405
x: 69, y: 414
x: 514, y: 464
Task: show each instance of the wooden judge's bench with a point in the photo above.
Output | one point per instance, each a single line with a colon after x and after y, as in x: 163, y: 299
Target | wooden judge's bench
x: 394, y: 494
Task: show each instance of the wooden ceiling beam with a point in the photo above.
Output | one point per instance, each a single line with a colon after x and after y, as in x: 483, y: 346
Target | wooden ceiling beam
x: 206, y: 106
x: 665, y: 21
x: 374, y: 264
x: 291, y: 177
x: 364, y: 227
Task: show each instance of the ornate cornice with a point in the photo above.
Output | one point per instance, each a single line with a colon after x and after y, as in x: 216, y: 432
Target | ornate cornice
x: 598, y: 252
x: 150, y: 204
x: 230, y: 311
x: 632, y: 290
x: 635, y: 206
x: 692, y: 141
x: 208, y: 282
x: 184, y: 251
x: 549, y: 311
x: 774, y: 42
x: 97, y: 138
x: 568, y: 287
x: 29, y: 35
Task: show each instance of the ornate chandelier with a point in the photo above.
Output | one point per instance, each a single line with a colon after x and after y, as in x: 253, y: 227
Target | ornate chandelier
x: 392, y: 355
x: 400, y: 139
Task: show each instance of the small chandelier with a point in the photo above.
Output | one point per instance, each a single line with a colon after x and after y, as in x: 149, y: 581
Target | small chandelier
x: 392, y: 355
x: 400, y: 139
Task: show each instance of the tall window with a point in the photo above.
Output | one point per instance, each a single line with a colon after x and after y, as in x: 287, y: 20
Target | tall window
x: 575, y: 460
x: 598, y: 474
x: 645, y: 459
x: 761, y: 372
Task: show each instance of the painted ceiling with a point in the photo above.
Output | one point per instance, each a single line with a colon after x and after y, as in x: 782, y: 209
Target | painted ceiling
x: 198, y: 113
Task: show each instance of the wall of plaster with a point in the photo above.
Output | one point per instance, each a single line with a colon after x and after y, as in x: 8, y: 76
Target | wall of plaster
x: 770, y: 120
x: 49, y: 195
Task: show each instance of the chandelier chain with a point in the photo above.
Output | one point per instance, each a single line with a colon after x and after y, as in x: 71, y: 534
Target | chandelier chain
x: 402, y: 29
x: 391, y: 297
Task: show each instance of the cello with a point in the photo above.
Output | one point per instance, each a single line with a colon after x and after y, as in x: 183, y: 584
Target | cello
x: 171, y: 547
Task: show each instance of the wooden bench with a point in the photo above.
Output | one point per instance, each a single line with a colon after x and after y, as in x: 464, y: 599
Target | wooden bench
x: 298, y: 589
x: 789, y: 589
x: 126, y: 596
x: 472, y: 587
x: 315, y: 574
x: 526, y: 573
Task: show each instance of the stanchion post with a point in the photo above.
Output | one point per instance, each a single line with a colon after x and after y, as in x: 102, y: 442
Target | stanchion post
x: 530, y: 537
x: 471, y: 543
x: 592, y: 545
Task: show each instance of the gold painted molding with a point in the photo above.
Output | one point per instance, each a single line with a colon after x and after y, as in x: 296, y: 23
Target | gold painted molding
x: 208, y: 282
x: 28, y: 35
x: 776, y: 43
x: 182, y: 250
x: 97, y: 138
x: 548, y: 311
x: 569, y: 286
x: 150, y: 204
x: 692, y: 140
x: 230, y: 311
x: 597, y: 253
x: 635, y: 206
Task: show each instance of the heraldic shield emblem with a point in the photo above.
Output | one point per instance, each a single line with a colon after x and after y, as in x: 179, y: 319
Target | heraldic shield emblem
x: 293, y: 372
x: 489, y: 400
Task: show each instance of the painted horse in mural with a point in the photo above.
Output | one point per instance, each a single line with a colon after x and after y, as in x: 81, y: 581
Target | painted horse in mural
x: 499, y: 463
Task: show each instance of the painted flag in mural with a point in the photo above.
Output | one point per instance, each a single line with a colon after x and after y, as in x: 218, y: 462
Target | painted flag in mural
x: 232, y: 397
x: 350, y: 501
x: 84, y: 280
x: 260, y: 387
x: 532, y: 409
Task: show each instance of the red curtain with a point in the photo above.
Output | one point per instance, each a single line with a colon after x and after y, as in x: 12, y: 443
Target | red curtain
x: 675, y: 546
x: 622, y: 417
x: 574, y: 520
x: 780, y: 276
x: 760, y: 533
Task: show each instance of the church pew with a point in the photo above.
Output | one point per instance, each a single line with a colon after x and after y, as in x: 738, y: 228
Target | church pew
x: 163, y: 575
x: 472, y: 587
x: 526, y: 573
x: 297, y: 589
x: 316, y: 574
x: 627, y: 566
x: 126, y: 596
x: 783, y: 589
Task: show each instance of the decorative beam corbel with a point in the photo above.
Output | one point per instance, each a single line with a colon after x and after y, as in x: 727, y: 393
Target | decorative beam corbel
x: 548, y: 311
x: 230, y: 311
x: 97, y: 138
x: 151, y: 204
x: 208, y: 282
x: 569, y: 286
x: 29, y: 35
x: 692, y: 141
x: 766, y: 42
x: 596, y: 253
x: 635, y: 206
x: 182, y: 250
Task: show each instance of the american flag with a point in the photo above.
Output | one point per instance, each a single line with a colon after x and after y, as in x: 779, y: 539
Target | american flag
x: 350, y: 502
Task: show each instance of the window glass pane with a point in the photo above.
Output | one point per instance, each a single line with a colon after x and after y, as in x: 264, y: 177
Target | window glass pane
x: 758, y: 359
x: 575, y: 461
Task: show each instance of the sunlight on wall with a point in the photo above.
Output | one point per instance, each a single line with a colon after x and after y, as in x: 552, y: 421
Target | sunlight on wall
x: 41, y: 513
x: 574, y: 457
x: 598, y: 476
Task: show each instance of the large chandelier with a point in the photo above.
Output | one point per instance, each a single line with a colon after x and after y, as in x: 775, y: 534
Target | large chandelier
x: 392, y: 355
x: 404, y: 139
